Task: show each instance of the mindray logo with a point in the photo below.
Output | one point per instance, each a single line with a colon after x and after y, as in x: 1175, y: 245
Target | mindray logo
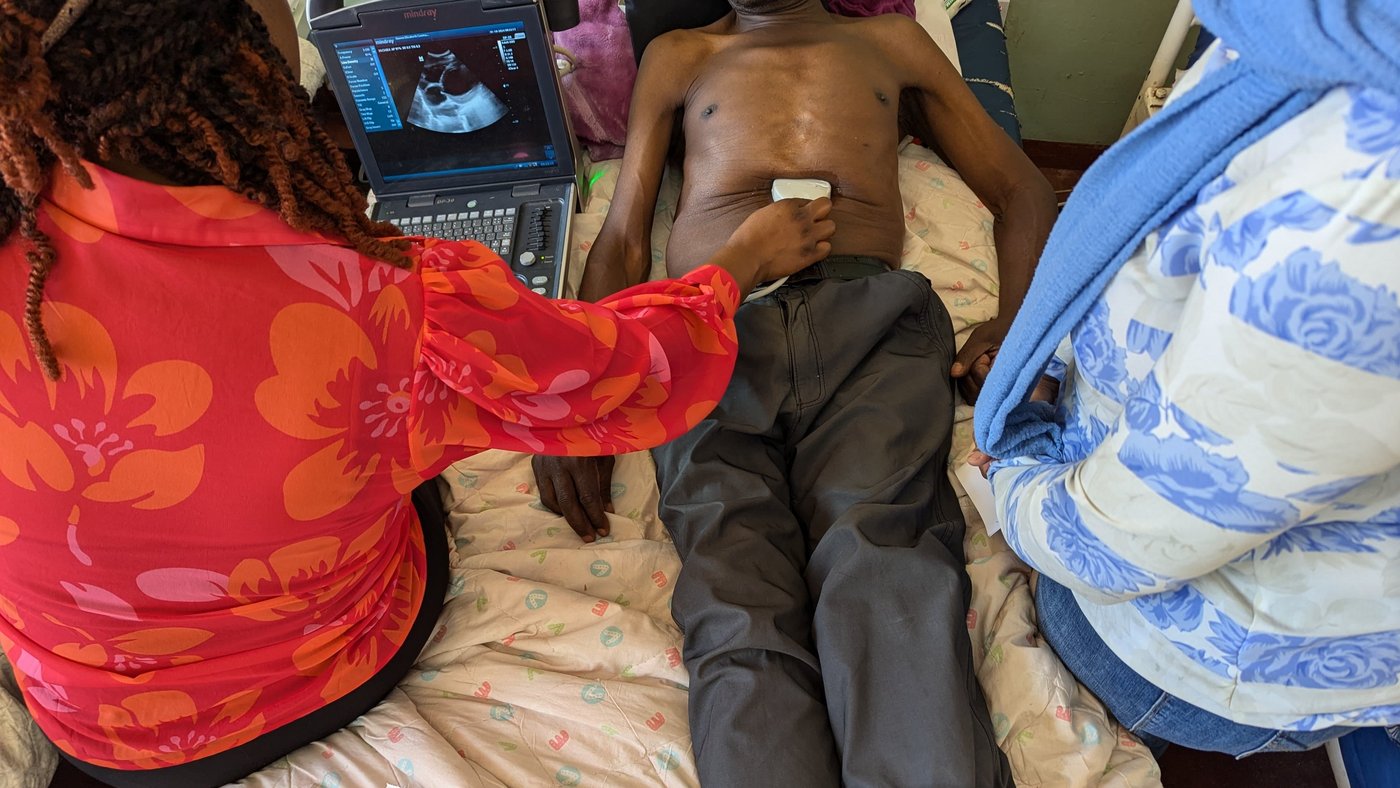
x: 420, y: 13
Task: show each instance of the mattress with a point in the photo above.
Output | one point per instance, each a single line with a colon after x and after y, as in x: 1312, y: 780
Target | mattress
x: 27, y: 760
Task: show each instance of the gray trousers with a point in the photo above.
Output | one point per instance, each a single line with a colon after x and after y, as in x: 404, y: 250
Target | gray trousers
x: 822, y: 593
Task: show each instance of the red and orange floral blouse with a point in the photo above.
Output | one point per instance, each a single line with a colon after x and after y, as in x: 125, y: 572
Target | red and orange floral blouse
x: 204, y: 525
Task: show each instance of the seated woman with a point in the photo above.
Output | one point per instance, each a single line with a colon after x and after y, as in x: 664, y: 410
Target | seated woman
x: 220, y: 383
x: 1214, y: 507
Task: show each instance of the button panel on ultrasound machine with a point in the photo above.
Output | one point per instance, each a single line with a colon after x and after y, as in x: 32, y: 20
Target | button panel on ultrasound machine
x: 535, y: 260
x: 525, y: 234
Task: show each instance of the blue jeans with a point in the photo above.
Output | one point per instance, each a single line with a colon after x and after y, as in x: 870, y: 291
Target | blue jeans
x: 1142, y: 707
x: 1372, y: 758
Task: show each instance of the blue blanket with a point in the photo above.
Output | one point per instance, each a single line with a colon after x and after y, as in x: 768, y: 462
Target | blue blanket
x: 1291, y: 53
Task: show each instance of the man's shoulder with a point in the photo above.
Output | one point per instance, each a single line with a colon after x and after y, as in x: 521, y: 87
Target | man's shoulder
x: 896, y: 35
x: 676, y: 47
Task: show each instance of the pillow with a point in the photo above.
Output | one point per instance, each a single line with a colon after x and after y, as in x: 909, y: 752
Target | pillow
x: 313, y: 70
x: 27, y: 759
x: 930, y: 15
x: 597, y: 72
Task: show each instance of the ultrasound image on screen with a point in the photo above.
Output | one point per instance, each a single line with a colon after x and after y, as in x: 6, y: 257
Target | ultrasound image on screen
x: 457, y: 102
x: 451, y: 99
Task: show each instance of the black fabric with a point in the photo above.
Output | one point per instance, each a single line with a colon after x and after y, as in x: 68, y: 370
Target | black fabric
x: 822, y: 592
x: 241, y: 761
x: 561, y: 14
x: 845, y: 267
x: 647, y: 19
x: 986, y: 65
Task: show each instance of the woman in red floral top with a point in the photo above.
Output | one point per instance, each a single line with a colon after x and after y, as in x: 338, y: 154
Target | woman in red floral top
x: 220, y: 384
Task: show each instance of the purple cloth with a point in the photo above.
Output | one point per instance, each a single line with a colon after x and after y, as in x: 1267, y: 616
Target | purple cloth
x: 871, y: 7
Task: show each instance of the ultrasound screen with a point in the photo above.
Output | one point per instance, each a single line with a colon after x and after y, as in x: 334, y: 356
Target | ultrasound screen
x: 449, y: 103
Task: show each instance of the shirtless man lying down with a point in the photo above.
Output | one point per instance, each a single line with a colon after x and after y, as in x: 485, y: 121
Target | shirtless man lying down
x: 823, y: 593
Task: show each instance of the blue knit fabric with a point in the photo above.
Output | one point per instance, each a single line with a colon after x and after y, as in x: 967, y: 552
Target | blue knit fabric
x: 1291, y: 52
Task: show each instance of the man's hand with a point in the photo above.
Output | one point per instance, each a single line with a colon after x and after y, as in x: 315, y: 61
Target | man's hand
x: 1022, y: 204
x: 580, y: 489
x: 974, y: 362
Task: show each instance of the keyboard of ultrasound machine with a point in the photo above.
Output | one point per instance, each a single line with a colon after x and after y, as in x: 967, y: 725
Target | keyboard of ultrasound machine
x: 493, y: 229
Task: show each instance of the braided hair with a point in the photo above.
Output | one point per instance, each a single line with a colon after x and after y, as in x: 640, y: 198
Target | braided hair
x: 193, y: 91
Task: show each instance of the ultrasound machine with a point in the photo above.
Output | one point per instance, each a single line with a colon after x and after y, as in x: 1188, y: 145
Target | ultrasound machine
x: 456, y: 111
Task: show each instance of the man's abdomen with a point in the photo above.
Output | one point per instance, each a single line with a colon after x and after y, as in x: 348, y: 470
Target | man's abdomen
x: 816, y: 104
x: 861, y: 230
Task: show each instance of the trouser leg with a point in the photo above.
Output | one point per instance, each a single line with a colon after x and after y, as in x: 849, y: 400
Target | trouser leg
x: 757, y: 711
x: 886, y: 572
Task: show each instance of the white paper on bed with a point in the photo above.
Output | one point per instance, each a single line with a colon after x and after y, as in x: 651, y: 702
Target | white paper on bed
x: 558, y: 663
x: 979, y: 493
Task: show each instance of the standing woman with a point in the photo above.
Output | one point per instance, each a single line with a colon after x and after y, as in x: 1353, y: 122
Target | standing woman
x: 1214, y: 505
x: 220, y: 383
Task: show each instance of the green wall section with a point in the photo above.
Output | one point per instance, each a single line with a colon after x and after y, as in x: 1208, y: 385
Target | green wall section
x: 1077, y: 65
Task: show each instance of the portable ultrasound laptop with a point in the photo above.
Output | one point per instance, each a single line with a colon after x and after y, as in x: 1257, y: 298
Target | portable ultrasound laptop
x: 455, y: 109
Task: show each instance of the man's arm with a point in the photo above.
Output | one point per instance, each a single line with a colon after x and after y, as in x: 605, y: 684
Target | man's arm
x: 998, y: 172
x: 580, y: 488
x: 780, y: 239
x: 621, y: 256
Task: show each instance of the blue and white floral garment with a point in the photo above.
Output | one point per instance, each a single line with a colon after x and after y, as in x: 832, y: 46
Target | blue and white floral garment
x: 1228, y: 512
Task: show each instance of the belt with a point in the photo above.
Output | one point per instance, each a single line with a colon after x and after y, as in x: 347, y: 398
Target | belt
x: 845, y: 267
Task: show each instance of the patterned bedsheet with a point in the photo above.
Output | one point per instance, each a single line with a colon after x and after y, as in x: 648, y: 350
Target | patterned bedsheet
x: 558, y: 663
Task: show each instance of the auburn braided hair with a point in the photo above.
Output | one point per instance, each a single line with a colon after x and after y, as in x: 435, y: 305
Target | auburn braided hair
x: 193, y: 91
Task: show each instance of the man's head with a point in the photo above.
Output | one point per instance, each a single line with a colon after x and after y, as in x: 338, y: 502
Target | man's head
x: 195, y: 92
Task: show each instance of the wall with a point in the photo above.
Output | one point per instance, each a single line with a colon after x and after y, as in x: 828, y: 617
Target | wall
x: 1077, y: 65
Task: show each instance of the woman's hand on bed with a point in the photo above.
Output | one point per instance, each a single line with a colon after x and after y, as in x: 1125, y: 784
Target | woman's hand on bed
x: 778, y: 240
x: 579, y: 489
